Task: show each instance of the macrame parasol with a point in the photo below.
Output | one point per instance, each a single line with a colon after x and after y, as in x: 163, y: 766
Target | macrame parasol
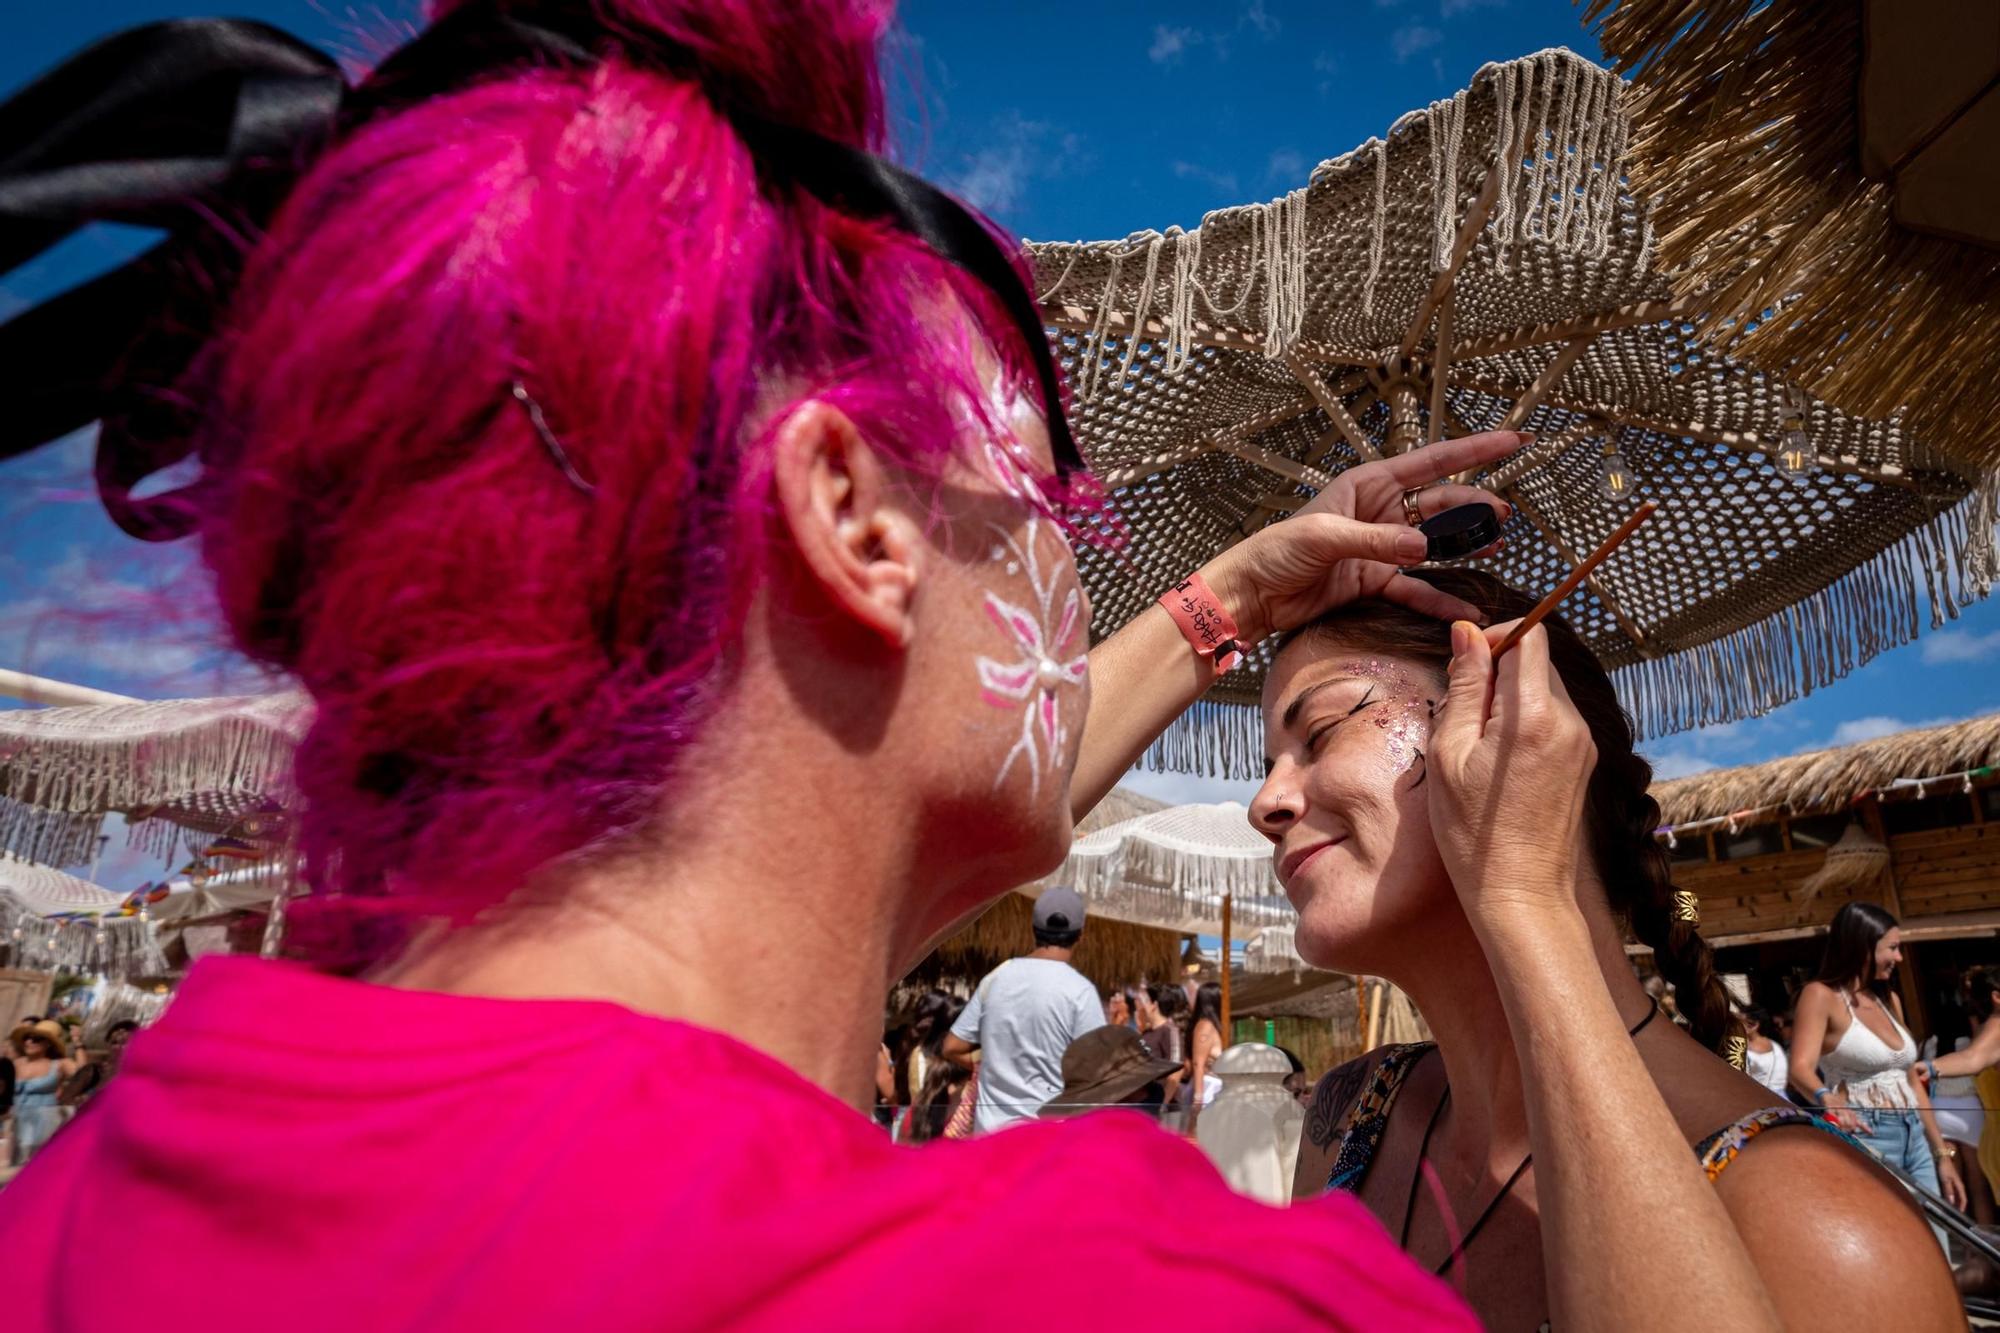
x: 1273, y: 950
x: 1829, y: 175
x: 1175, y: 867
x: 51, y: 922
x: 1485, y: 266
x: 180, y: 771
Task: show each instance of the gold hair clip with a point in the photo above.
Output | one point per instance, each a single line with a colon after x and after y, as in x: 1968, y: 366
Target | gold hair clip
x: 1736, y: 1051
x: 1687, y: 907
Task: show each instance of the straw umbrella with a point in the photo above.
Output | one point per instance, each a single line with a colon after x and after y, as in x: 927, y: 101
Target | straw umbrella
x: 1826, y: 179
x: 1483, y: 267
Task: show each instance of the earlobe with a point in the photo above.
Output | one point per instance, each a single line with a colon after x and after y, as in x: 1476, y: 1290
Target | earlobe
x: 839, y: 505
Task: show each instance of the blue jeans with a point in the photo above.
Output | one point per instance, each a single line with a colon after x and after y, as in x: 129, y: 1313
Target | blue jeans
x: 1897, y: 1137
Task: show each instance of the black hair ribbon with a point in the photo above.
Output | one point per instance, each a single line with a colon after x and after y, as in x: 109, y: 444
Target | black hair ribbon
x: 200, y: 128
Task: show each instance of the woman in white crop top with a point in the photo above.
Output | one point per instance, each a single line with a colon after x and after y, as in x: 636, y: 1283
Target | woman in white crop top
x: 1850, y: 1024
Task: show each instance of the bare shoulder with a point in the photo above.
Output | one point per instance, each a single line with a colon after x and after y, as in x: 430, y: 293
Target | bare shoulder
x: 1839, y: 1242
x: 1334, y: 1094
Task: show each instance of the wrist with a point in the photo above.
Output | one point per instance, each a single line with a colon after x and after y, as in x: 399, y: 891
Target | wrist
x: 1228, y: 576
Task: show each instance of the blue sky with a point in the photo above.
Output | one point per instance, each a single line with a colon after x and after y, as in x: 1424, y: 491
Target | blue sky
x: 1066, y: 121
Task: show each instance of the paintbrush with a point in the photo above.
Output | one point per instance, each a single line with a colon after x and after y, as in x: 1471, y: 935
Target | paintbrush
x: 1576, y: 578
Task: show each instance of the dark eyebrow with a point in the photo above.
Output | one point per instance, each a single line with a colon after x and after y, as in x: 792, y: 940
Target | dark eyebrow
x: 1304, y: 696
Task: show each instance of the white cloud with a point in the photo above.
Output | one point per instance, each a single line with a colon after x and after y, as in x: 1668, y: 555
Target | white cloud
x: 1326, y: 65
x: 1223, y: 182
x: 1260, y: 18
x: 1957, y: 645
x: 1857, y: 729
x: 1287, y: 167
x: 1017, y: 151
x: 1411, y: 38
x: 100, y: 619
x: 1453, y: 8
x: 1170, y: 44
x: 1189, y: 789
x: 1679, y: 764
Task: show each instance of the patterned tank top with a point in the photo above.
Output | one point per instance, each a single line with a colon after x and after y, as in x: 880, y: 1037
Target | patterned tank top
x: 1360, y: 1130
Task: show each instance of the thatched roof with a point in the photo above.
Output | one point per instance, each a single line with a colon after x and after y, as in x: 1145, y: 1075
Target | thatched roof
x: 1826, y: 780
x: 1111, y: 953
x: 1118, y: 805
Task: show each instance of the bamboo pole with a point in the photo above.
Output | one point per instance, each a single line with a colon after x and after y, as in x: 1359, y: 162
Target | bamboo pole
x: 1225, y: 970
x: 41, y: 690
x: 1374, y: 1034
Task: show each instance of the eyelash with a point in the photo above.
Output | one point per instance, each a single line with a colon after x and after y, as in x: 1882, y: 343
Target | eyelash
x: 1313, y: 737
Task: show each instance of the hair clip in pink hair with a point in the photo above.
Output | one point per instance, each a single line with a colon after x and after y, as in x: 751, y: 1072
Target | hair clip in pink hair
x: 549, y: 440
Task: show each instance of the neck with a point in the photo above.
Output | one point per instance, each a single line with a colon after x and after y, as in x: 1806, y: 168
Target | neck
x: 1485, y: 1129
x: 677, y: 926
x: 1051, y: 953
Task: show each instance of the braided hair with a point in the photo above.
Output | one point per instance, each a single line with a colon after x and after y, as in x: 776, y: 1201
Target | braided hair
x: 1620, y: 816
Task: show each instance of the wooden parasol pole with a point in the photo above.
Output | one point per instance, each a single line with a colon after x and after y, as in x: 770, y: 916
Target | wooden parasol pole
x: 1224, y: 1034
x: 60, y: 693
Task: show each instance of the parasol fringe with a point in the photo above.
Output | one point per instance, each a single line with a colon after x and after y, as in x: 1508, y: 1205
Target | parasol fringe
x: 1211, y: 739
x: 115, y: 946
x: 1559, y: 146
x: 1159, y: 888
x: 1758, y: 102
x: 96, y: 773
x: 1942, y: 566
x: 48, y: 837
x: 1824, y: 635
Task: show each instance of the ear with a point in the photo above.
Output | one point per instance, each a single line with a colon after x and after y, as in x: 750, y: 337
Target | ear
x: 836, y: 499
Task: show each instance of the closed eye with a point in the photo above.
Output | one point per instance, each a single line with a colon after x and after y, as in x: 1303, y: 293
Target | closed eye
x: 1314, y: 736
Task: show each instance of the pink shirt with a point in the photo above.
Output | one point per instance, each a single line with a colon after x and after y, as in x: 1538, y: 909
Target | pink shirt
x: 289, y: 1150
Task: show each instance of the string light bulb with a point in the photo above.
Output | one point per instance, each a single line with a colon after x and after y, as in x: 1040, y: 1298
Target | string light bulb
x: 1794, y: 458
x: 1614, y: 474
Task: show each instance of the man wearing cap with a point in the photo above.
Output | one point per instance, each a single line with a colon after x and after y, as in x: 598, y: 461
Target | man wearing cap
x: 1024, y: 1016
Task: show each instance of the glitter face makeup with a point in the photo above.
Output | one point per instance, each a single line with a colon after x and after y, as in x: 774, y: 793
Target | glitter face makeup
x: 1400, y: 710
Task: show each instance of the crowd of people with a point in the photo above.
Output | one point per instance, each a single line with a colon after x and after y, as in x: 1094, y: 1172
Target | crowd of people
x: 47, y: 1074
x: 1033, y: 1034
x: 669, y: 506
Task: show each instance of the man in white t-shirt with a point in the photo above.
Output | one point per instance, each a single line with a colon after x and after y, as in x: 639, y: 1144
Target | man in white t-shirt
x: 1024, y: 1016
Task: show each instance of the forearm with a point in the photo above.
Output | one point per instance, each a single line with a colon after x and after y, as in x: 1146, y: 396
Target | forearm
x: 1141, y: 679
x: 1927, y: 1115
x: 1977, y: 1058
x: 1959, y: 1064
x: 1610, y: 1160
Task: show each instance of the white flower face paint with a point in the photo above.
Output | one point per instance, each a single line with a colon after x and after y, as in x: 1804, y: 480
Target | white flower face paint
x: 1045, y: 657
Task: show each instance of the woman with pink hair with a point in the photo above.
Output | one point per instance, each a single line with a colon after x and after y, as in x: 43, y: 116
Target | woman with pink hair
x: 668, y: 506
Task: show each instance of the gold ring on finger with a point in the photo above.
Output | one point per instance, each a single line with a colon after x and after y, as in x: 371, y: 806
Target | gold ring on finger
x: 1413, y: 513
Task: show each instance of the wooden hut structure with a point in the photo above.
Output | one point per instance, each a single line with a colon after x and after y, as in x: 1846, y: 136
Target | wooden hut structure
x: 1112, y: 952
x: 1910, y: 822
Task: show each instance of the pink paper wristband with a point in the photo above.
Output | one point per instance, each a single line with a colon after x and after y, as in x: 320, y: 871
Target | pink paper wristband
x: 1204, y: 622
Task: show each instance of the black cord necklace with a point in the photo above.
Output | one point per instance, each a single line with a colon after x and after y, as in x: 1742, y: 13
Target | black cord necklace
x: 1424, y: 1152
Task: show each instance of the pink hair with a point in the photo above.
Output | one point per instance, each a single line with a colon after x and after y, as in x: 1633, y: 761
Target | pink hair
x: 506, y: 668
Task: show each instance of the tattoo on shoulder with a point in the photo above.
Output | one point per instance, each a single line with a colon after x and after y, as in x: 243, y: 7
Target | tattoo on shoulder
x: 1336, y: 1092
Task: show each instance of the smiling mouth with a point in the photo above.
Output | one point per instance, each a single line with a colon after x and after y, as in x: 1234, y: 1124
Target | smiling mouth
x: 1289, y: 868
